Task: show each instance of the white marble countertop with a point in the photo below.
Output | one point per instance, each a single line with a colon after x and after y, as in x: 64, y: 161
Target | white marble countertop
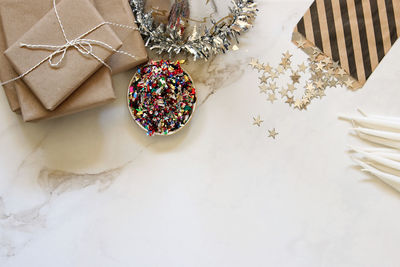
x: 92, y: 190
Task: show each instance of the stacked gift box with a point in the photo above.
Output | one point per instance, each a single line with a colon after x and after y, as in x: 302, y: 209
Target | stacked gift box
x: 76, y: 78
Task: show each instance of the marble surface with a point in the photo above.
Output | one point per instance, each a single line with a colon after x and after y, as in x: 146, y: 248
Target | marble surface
x: 92, y: 190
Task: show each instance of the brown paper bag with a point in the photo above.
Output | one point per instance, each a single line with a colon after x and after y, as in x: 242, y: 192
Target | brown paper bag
x: 53, y: 85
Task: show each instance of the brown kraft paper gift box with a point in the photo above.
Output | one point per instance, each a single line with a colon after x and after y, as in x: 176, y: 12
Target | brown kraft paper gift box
x: 7, y: 73
x: 97, y: 90
x: 117, y: 11
x: 53, y: 85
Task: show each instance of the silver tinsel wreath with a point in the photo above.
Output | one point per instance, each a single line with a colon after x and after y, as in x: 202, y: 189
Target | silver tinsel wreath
x: 203, y: 42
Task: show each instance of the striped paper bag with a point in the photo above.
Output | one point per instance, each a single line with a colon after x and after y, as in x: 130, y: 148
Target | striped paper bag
x: 355, y: 33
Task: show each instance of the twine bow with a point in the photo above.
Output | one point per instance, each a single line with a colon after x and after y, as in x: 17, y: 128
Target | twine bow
x: 82, y: 45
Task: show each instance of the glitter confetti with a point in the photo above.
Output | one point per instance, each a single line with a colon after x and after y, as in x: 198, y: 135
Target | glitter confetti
x: 161, y: 97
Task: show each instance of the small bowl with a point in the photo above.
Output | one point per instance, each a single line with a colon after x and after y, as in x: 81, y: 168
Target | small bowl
x: 157, y: 133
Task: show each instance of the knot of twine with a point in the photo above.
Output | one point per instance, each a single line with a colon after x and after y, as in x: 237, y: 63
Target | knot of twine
x: 82, y: 45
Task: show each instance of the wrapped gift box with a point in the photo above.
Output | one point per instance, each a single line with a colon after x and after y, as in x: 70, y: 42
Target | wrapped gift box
x: 7, y: 73
x: 98, y: 89
x: 52, y: 85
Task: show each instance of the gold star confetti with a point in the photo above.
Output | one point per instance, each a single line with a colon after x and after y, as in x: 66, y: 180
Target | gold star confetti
x: 263, y: 89
x: 272, y: 133
x: 260, y: 67
x: 326, y: 61
x: 272, y: 87
x: 335, y: 65
x: 274, y: 75
x: 254, y: 63
x: 309, y: 86
x: 316, y: 51
x: 330, y: 72
x: 319, y: 72
x: 257, y: 121
x: 283, y: 92
x: 297, y: 104
x: 295, y: 78
x: 321, y: 93
x: 267, y: 69
x: 319, y: 84
x: 341, y: 72
x: 263, y: 79
x: 349, y: 83
x: 302, y: 67
x: 287, y: 55
x: 301, y: 43
x: 333, y: 83
x: 290, y: 100
x: 280, y: 70
x: 271, y: 98
x: 320, y: 66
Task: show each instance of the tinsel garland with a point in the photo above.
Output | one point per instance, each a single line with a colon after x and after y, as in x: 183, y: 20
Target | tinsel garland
x: 203, y: 42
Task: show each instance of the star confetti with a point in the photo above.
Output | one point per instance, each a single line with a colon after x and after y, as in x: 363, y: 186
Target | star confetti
x: 272, y: 97
x: 314, y: 76
x: 272, y: 133
x: 257, y: 121
x: 263, y: 89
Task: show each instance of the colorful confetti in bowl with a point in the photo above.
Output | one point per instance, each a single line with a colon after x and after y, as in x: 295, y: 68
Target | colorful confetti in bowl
x: 161, y: 97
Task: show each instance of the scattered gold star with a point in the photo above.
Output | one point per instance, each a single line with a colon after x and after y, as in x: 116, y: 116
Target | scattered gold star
x: 335, y: 65
x: 280, y: 70
x: 263, y: 79
x: 254, y: 63
x: 319, y: 84
x: 326, y: 60
x: 323, y: 70
x: 267, y: 68
x: 349, y: 83
x: 320, y: 66
x: 316, y: 51
x: 331, y: 72
x: 260, y: 67
x: 301, y: 43
x: 332, y: 83
x: 287, y: 55
x: 271, y: 98
x: 341, y: 72
x: 321, y: 93
x: 274, y: 75
x: 285, y: 63
x: 302, y: 68
x: 297, y: 104
x: 290, y: 100
x: 272, y: 133
x: 309, y: 87
x: 272, y: 87
x: 257, y: 121
x: 263, y: 89
x: 295, y: 78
